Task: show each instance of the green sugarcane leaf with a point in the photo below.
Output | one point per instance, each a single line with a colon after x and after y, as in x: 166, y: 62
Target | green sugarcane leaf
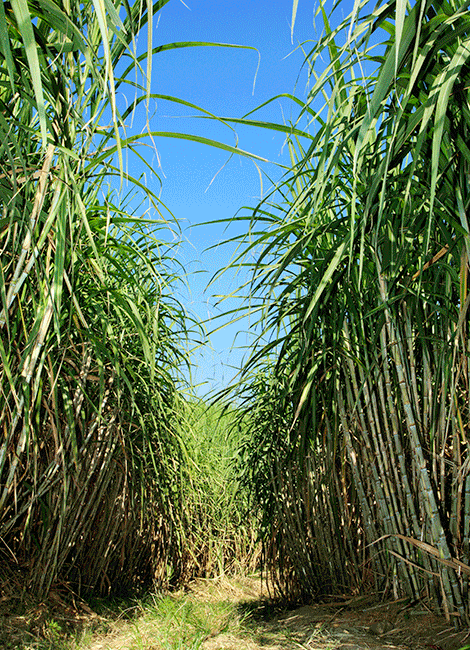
x: 25, y: 27
x: 5, y: 46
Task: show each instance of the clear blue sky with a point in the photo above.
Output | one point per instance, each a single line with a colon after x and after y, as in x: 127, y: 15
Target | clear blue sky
x: 196, y: 186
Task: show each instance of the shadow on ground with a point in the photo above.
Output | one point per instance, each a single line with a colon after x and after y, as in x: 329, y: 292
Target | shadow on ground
x: 361, y: 623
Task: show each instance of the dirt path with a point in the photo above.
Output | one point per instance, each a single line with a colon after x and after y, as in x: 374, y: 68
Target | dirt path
x: 223, y: 614
x: 250, y: 622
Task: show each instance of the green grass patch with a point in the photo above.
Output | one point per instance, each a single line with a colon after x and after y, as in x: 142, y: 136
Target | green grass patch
x: 187, y: 619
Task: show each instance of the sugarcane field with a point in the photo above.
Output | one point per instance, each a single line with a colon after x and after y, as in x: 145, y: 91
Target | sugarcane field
x: 234, y: 302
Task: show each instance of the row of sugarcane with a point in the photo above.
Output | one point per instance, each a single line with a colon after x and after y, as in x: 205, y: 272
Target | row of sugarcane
x: 99, y: 491
x: 362, y: 479
x: 359, y: 402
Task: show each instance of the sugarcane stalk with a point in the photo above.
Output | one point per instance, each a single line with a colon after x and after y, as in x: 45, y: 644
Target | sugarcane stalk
x: 450, y: 585
x: 18, y: 275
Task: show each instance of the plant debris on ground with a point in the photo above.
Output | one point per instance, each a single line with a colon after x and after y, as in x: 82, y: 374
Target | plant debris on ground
x: 225, y: 614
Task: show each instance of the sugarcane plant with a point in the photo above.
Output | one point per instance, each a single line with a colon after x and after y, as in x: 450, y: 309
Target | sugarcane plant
x: 91, y: 335
x: 221, y: 534
x: 358, y: 462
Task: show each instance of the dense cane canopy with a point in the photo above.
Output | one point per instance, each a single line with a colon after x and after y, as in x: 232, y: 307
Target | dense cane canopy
x: 91, y: 336
x: 89, y: 332
x: 358, y: 403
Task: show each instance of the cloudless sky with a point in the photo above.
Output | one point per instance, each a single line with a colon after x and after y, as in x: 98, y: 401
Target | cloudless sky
x: 201, y: 184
